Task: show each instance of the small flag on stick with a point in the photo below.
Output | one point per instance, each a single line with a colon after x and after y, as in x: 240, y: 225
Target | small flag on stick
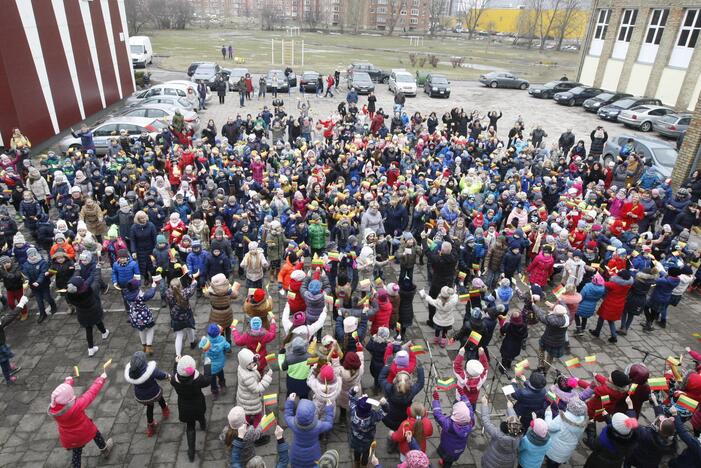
x: 605, y: 400
x: 559, y: 291
x: 464, y: 298
x: 461, y: 276
x: 106, y: 365
x: 270, y: 399
x: 632, y: 389
x: 291, y: 296
x: 418, y: 349
x: 524, y: 364
x: 267, y: 422
x: 574, y: 362
x: 658, y: 383
x: 590, y: 359
x: 270, y: 358
x: 312, y: 360
x: 475, y: 294
x: 474, y: 338
x: 687, y: 403
x: 551, y: 397
x: 445, y: 385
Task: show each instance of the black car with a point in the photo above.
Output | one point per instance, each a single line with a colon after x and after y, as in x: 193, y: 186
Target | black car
x: 376, y: 74
x: 603, y: 99
x: 611, y: 111
x: 193, y: 66
x: 576, y: 96
x: 548, y: 90
x: 308, y: 82
x: 361, y: 82
x: 437, y: 85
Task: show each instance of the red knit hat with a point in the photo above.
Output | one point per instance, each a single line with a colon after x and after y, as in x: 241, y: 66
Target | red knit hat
x: 351, y: 361
x: 258, y: 295
x: 326, y: 374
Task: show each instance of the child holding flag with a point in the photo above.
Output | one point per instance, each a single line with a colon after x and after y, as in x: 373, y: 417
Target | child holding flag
x: 530, y: 399
x: 472, y: 376
x: 363, y: 423
x: 306, y: 427
x: 455, y: 429
x: 446, y: 305
x: 350, y: 371
x: 376, y: 346
x: 256, y: 338
x: 215, y: 347
x: 251, y: 386
x: 416, y: 426
x: 294, y: 362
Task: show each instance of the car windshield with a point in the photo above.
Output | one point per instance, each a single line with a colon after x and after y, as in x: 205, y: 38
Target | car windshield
x: 666, y: 156
x: 205, y: 69
x: 551, y: 84
x: 624, y: 103
x: 310, y: 76
x: 439, y: 80
x: 405, y: 78
x: 137, y: 49
x: 159, y: 125
x: 577, y: 90
x: 361, y: 77
x: 604, y: 96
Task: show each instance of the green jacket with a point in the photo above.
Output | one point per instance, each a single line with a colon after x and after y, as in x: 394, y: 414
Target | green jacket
x: 318, y: 236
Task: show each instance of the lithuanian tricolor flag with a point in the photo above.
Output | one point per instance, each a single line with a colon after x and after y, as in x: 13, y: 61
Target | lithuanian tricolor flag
x: 658, y: 383
x: 590, y: 359
x: 475, y: 338
x: 267, y: 422
x: 574, y: 362
x: 418, y: 349
x: 270, y: 399
x: 687, y: 403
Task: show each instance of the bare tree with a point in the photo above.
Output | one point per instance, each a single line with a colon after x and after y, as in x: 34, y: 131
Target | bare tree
x: 564, y: 21
x: 353, y: 13
x: 394, y: 8
x: 546, y: 14
x: 473, y: 10
x: 315, y: 17
x: 137, y: 15
x: 436, y: 10
x: 170, y: 14
x: 270, y: 15
x: 526, y: 27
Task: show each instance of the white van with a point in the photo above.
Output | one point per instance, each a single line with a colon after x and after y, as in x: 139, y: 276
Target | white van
x: 141, y: 51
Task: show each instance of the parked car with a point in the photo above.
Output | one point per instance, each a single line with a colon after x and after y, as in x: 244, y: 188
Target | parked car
x: 604, y: 99
x: 235, y: 75
x: 548, y: 90
x: 611, y: 111
x: 208, y: 73
x: 141, y: 51
x: 192, y: 67
x: 672, y: 125
x: 176, y: 88
x: 291, y: 77
x: 376, y: 74
x: 402, y: 80
x: 283, y: 86
x: 361, y: 82
x: 657, y: 154
x: 111, y: 128
x: 308, y: 82
x: 163, y: 112
x: 576, y: 96
x: 175, y: 101
x: 503, y: 80
x: 437, y: 85
x: 643, y: 117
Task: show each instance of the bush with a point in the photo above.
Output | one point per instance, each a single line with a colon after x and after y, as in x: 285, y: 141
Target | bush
x: 412, y: 59
x: 139, y: 79
x: 421, y: 61
x: 457, y: 61
x: 433, y: 60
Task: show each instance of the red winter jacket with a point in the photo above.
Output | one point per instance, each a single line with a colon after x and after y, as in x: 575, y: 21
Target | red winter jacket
x: 252, y: 341
x: 611, y: 307
x: 540, y: 269
x: 75, y: 428
x: 399, y: 436
x: 381, y: 317
x: 297, y: 304
x: 605, y: 387
x: 471, y: 385
x: 394, y: 369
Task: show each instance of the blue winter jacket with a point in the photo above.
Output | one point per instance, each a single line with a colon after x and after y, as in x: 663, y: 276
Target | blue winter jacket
x: 531, y: 452
x: 305, y: 450
x: 662, y: 292
x: 35, y: 273
x: 529, y: 400
x: 591, y: 294
x: 217, y: 352
x: 453, y: 436
x: 362, y: 429
x: 283, y: 457
x: 198, y: 262
x: 122, y: 274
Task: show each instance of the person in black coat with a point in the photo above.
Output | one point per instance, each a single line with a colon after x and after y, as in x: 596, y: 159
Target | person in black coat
x: 653, y: 442
x: 530, y: 399
x: 443, y: 263
x: 615, y: 442
x: 399, y: 394
x: 407, y: 291
x: 143, y: 374
x: 376, y: 346
x: 515, y: 333
x: 218, y: 262
x: 691, y: 455
x: 188, y: 384
x: 142, y: 239
x: 88, y: 309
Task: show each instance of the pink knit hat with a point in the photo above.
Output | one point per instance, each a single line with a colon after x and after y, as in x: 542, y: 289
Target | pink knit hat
x: 540, y: 427
x: 461, y: 414
x: 299, y: 319
x: 392, y: 289
x: 327, y: 375
x: 62, y: 395
x: 415, y: 459
x: 598, y: 280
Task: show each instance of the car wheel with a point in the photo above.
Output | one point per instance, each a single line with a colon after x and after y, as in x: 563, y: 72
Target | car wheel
x: 570, y: 102
x: 646, y: 127
x: 493, y: 84
x: 385, y: 80
x: 523, y: 86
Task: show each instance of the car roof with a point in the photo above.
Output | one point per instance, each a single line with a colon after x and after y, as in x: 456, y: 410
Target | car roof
x: 175, y: 83
x: 403, y: 72
x: 155, y: 105
x: 651, y: 142
x: 310, y: 71
x: 213, y: 64
x: 438, y: 75
x: 141, y: 121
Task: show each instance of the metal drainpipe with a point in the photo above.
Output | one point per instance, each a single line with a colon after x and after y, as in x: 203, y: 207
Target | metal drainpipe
x: 587, y: 38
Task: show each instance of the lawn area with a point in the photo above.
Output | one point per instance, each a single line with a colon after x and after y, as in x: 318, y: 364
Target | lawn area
x: 325, y: 52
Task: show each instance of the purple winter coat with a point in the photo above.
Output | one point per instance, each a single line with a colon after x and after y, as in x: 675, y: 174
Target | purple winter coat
x: 453, y: 436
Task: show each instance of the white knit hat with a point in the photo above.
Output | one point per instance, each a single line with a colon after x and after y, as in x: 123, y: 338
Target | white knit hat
x: 186, y: 366
x: 474, y: 368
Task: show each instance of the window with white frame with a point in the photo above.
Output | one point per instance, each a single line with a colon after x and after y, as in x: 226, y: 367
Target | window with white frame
x: 414, y: 21
x: 689, y: 33
x: 602, y: 24
x: 625, y: 32
x: 687, y: 39
x: 382, y: 9
x: 381, y: 19
x: 658, y: 20
x: 414, y: 12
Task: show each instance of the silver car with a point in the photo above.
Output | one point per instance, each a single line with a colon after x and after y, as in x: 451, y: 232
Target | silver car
x: 110, y: 129
x: 163, y: 112
x: 173, y: 101
x: 643, y: 117
x: 672, y: 125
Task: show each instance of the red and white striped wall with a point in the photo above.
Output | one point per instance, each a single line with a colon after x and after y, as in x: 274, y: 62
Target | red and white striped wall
x: 60, y: 62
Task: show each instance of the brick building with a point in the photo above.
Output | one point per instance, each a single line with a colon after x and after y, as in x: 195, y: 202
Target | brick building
x: 648, y: 48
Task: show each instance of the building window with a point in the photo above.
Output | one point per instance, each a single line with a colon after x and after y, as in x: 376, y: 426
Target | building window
x: 658, y: 20
x: 381, y: 19
x: 414, y: 12
x: 691, y: 27
x: 416, y: 3
x: 414, y: 21
x: 602, y: 24
x: 403, y: 12
x: 627, y: 24
x: 382, y: 9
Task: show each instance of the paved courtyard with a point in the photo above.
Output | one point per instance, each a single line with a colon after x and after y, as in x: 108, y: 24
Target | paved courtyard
x: 48, y: 352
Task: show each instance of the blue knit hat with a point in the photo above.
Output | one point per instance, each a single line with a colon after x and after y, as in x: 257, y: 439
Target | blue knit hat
x: 314, y: 286
x: 256, y: 323
x: 213, y: 330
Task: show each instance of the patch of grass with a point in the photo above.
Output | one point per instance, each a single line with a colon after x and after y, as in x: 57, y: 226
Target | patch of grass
x: 327, y: 52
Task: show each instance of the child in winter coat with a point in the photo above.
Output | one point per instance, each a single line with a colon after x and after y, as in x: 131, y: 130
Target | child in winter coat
x: 182, y: 319
x: 113, y: 244
x: 566, y: 430
x: 236, y: 419
x: 363, y: 423
x: 383, y: 314
x: 530, y: 399
x: 515, y: 333
x: 239, y: 445
x: 565, y: 389
x: 655, y: 441
x: 188, y: 384
x: 534, y: 445
x: 404, y: 359
x: 294, y: 363
x: 376, y: 346
x: 306, y: 427
x: 75, y: 428
x: 446, y: 305
x: 251, y: 385
x: 256, y: 338
x: 613, y: 390
x: 400, y: 394
x: 140, y: 315
x: 455, y: 429
x: 504, y: 440
x: 615, y: 442
x: 11, y: 275
x: 215, y: 347
x: 326, y: 386
x: 143, y: 374
x: 591, y: 293
x: 407, y: 291
x: 221, y: 295
x: 417, y: 424
x: 350, y: 371
x: 350, y: 332
x: 471, y: 377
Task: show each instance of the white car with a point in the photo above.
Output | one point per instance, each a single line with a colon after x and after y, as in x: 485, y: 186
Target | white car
x: 105, y: 132
x: 402, y: 80
x: 164, y: 112
x: 177, y: 88
x: 643, y: 117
